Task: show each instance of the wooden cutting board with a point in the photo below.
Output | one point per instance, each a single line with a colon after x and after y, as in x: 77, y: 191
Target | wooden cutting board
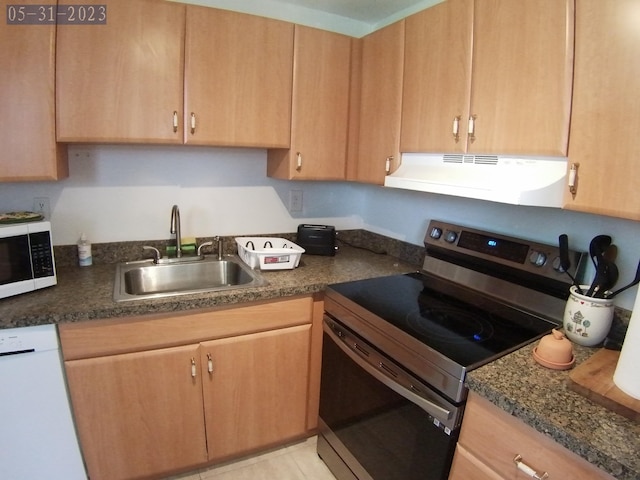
x: 594, y: 379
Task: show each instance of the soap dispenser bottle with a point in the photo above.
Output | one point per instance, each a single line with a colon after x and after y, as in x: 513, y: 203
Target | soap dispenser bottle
x: 84, y: 251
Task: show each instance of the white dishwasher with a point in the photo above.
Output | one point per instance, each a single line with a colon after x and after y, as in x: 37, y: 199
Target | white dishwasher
x: 37, y: 434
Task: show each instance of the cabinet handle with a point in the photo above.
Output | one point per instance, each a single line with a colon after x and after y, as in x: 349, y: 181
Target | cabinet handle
x: 209, y: 363
x: 298, y: 161
x: 193, y: 367
x: 523, y: 467
x: 472, y: 128
x: 193, y: 123
x: 573, y: 176
x: 387, y: 164
x: 456, y: 128
x: 175, y: 121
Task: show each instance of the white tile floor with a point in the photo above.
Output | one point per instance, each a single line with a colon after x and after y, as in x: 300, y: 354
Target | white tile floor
x: 298, y: 461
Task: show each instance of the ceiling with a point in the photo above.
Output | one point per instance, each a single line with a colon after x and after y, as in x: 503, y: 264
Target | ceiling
x: 351, y: 17
x: 368, y: 11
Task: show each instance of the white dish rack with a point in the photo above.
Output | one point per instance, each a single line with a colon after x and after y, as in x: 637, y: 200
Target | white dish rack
x: 269, y: 253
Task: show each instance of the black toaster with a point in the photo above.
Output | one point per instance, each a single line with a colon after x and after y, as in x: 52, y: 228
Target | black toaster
x: 317, y: 239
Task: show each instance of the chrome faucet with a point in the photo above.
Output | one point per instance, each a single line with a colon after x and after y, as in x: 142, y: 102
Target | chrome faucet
x: 175, y: 229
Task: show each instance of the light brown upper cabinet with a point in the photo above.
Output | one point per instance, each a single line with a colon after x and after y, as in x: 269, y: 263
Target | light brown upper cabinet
x: 490, y: 76
x: 238, y: 76
x: 122, y: 82
x: 27, y: 101
x: 162, y: 72
x: 320, y: 110
x: 376, y: 152
x: 606, y: 99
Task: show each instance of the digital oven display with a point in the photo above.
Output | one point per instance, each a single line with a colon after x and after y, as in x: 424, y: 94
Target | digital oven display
x: 496, y: 247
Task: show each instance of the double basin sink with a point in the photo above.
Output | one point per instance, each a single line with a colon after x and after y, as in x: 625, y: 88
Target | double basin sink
x: 145, y: 279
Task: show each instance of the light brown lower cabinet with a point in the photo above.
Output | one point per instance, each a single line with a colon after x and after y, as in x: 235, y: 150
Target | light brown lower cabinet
x: 491, y: 439
x: 158, y: 395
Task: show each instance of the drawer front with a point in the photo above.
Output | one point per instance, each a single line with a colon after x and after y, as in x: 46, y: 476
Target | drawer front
x: 496, y: 438
x: 97, y: 338
x: 466, y: 466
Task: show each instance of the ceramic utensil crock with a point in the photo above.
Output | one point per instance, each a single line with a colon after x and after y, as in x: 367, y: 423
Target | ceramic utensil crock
x: 587, y: 320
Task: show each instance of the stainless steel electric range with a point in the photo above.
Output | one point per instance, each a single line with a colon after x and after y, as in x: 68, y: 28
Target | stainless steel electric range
x: 396, y: 349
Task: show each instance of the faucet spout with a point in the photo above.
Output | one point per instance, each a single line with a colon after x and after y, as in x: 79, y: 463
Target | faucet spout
x: 175, y: 229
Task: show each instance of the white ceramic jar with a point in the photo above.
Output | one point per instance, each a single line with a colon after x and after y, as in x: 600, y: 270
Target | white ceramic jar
x: 587, y: 320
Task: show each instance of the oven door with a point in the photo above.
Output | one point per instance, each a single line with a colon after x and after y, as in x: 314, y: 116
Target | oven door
x: 377, y: 421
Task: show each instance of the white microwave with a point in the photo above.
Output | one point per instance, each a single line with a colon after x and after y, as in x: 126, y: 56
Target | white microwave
x: 26, y: 258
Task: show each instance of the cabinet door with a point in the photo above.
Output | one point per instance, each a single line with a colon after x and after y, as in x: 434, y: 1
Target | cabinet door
x: 320, y: 109
x: 122, y: 82
x: 517, y: 89
x: 522, y: 76
x: 380, y: 105
x: 256, y: 393
x: 437, y: 78
x: 238, y: 77
x: 27, y: 101
x: 605, y: 121
x: 138, y: 414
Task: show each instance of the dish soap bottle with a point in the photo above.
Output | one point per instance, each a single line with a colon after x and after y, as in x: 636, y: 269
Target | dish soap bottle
x: 84, y: 251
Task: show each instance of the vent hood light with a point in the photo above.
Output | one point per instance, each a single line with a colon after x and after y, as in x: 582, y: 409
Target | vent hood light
x: 529, y: 181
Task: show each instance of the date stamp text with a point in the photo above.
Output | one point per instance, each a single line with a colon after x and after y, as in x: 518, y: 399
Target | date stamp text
x: 56, y: 14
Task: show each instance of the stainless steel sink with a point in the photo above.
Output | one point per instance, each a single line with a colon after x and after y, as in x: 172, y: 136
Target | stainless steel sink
x: 145, y: 279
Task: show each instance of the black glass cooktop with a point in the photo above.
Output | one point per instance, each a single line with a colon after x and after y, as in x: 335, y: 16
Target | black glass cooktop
x: 466, y: 327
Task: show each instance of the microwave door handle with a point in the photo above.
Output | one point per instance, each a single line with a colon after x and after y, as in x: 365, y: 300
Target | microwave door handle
x: 428, y: 406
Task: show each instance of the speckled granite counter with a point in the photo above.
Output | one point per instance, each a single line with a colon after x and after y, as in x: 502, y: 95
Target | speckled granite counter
x: 540, y: 398
x: 86, y: 293
x: 515, y: 383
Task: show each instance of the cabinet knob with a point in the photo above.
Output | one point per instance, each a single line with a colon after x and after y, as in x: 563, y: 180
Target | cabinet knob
x: 456, y: 128
x: 209, y: 363
x: 472, y: 128
x: 175, y: 121
x: 193, y: 123
x: 573, y: 179
x: 298, y: 161
x: 387, y: 164
x: 193, y: 367
x: 523, y: 467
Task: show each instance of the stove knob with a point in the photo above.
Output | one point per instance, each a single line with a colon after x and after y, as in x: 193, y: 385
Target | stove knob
x: 556, y: 265
x: 436, y: 233
x: 538, y: 259
x: 450, y: 237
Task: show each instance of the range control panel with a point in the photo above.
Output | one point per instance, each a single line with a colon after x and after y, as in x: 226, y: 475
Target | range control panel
x: 523, y: 255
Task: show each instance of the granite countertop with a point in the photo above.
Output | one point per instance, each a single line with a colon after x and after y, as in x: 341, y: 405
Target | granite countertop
x: 85, y: 293
x: 541, y: 398
x: 515, y: 383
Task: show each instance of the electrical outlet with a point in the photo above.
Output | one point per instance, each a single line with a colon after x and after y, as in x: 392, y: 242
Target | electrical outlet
x: 295, y: 201
x: 82, y: 153
x: 41, y: 205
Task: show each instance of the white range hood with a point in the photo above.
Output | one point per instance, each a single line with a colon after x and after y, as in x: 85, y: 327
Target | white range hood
x: 519, y: 181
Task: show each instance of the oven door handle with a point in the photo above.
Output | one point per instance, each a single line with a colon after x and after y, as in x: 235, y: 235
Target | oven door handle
x: 427, y: 405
